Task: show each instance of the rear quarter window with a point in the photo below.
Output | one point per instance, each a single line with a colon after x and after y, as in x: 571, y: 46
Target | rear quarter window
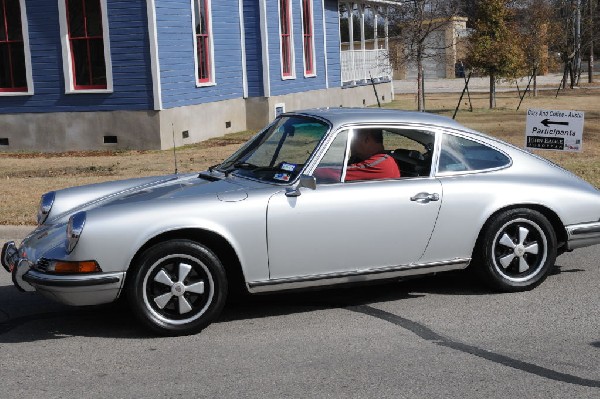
x: 459, y: 154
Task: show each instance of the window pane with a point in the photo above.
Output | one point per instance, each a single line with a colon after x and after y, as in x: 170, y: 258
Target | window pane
x: 93, y: 17
x: 97, y: 62
x: 75, y: 17
x: 18, y: 62
x: 203, y: 57
x: 80, y: 59
x: 283, y: 22
x: 460, y: 154
x: 13, y: 19
x: 5, y: 80
x: 332, y: 164
x: 201, y: 17
x: 2, y: 19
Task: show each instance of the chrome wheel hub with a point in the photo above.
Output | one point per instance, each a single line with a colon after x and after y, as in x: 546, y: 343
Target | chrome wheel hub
x: 520, y: 250
x: 178, y: 290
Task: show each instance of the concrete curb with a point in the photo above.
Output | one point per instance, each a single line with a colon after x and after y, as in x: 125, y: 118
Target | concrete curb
x: 14, y: 233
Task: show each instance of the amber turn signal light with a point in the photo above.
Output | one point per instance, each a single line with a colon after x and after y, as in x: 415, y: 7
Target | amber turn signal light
x: 76, y: 267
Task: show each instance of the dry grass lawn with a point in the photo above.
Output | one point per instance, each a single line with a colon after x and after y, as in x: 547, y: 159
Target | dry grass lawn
x: 26, y: 176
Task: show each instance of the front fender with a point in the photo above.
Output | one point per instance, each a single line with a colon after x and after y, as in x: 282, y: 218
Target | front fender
x: 114, y: 235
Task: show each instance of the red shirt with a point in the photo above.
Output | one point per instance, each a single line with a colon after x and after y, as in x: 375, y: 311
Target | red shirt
x: 379, y: 166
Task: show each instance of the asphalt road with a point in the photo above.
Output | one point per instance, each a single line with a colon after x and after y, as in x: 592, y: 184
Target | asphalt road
x: 435, y: 337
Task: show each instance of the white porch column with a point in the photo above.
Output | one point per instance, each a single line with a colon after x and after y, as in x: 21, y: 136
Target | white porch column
x: 386, y: 25
x: 361, y: 8
x: 375, y: 38
x: 350, y: 8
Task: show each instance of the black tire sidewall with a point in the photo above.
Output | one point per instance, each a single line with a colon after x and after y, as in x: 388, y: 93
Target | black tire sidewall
x: 485, y: 257
x: 135, y: 286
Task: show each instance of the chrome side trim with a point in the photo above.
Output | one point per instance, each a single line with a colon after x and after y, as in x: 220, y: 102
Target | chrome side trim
x: 383, y: 273
x: 583, y: 235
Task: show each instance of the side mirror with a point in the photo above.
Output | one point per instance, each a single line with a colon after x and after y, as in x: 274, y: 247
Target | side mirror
x: 305, y: 181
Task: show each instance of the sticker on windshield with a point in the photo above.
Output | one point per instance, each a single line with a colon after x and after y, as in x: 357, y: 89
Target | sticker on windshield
x: 288, y: 166
x: 282, y: 176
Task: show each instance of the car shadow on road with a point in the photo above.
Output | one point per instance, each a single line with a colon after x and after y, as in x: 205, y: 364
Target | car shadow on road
x: 28, y: 317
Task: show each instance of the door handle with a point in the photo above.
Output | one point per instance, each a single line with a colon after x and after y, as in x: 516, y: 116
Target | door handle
x: 424, y: 198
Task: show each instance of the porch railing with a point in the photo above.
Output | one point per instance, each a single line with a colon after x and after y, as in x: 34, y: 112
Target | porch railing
x: 360, y: 65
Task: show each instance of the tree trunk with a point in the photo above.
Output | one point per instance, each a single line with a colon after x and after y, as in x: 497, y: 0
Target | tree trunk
x: 420, y: 94
x: 492, y: 91
x: 591, y: 59
x: 535, y: 91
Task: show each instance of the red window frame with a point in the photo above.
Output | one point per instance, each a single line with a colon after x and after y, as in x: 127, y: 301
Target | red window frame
x: 307, y: 25
x: 286, y: 37
x: 13, y: 69
x: 88, y: 64
x: 203, y: 36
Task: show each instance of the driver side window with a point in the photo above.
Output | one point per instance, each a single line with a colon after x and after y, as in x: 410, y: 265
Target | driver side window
x: 331, y: 167
x: 376, y: 153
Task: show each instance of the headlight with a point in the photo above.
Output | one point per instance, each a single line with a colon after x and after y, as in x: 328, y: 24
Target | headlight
x: 74, y: 230
x: 46, y: 203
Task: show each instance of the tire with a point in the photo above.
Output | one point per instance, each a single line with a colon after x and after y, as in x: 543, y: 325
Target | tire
x: 177, y: 287
x: 516, y: 251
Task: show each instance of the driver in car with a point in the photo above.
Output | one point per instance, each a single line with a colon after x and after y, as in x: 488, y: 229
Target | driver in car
x: 369, y: 160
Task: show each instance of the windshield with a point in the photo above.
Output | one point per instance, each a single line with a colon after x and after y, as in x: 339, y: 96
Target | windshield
x: 280, y: 152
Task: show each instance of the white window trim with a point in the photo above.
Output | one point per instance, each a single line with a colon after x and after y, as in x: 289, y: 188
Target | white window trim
x: 213, y: 78
x: 66, y: 51
x: 27, y: 53
x: 312, y: 38
x: 292, y: 50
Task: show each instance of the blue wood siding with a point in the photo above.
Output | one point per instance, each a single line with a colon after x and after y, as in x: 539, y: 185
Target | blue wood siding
x: 254, y: 62
x: 176, y: 53
x: 332, y: 25
x: 132, y: 82
x: 280, y: 86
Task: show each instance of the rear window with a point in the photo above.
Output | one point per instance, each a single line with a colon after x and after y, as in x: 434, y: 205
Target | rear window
x: 463, y: 155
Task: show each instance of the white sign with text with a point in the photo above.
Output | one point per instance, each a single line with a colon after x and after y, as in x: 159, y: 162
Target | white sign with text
x: 554, y: 130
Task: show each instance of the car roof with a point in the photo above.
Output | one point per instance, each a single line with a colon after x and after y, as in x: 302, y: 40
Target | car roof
x: 342, y: 116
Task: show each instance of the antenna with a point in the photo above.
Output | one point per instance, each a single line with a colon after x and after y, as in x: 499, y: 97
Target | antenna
x: 174, y: 152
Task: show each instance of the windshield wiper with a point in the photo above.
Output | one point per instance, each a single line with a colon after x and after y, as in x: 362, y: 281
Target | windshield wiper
x: 245, y: 165
x: 212, y: 167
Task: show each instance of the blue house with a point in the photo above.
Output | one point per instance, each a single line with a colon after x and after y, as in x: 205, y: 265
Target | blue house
x: 91, y: 74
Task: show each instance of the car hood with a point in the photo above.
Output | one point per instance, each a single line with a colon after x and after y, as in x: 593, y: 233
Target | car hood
x: 83, y: 198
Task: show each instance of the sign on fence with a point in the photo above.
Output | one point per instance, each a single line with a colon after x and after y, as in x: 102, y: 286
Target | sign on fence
x: 554, y: 130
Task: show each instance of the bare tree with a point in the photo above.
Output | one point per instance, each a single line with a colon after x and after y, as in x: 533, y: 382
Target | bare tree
x: 414, y: 23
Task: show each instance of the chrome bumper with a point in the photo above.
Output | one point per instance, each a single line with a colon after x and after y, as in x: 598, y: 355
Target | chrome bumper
x: 77, y: 290
x: 583, y: 235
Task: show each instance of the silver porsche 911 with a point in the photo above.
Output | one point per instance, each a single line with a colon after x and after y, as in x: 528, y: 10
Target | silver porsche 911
x: 282, y: 213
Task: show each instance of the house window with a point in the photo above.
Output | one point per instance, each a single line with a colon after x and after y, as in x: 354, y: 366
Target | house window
x: 285, y: 27
x: 86, y: 44
x: 308, y: 42
x: 13, y: 69
x: 203, y: 35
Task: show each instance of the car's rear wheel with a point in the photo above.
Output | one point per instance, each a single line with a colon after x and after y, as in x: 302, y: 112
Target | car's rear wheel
x: 517, y: 250
x: 177, y: 287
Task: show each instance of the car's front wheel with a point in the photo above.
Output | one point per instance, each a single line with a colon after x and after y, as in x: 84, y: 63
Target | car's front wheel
x: 516, y: 251
x: 177, y: 287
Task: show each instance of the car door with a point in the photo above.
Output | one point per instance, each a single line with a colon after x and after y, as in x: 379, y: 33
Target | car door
x: 350, y: 227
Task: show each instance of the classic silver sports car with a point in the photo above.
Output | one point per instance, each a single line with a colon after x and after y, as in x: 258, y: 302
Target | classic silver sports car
x: 268, y: 219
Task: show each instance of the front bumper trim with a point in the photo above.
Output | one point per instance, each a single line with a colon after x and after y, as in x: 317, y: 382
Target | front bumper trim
x: 40, y: 279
